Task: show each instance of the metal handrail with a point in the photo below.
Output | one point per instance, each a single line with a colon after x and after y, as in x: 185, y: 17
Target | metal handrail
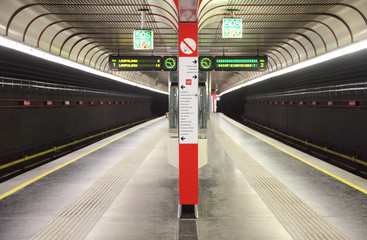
x: 57, y: 87
x: 319, y: 90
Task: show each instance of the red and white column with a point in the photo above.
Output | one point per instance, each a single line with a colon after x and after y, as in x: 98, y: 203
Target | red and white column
x: 188, y: 83
x: 188, y: 113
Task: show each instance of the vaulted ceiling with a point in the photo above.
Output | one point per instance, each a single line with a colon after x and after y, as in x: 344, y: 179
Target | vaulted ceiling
x: 88, y: 31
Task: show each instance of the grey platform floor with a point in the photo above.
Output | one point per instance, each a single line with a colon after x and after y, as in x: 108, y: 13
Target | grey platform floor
x: 127, y: 190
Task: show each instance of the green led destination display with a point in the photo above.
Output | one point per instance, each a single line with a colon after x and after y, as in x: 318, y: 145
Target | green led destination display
x: 143, y: 40
x: 206, y: 63
x: 135, y: 63
x: 169, y: 63
x: 241, y: 63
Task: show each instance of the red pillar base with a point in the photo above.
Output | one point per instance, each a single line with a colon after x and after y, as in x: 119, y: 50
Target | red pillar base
x: 188, y: 174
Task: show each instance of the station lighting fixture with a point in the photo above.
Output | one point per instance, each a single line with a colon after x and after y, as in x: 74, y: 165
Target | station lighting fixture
x: 56, y: 59
x: 355, y: 47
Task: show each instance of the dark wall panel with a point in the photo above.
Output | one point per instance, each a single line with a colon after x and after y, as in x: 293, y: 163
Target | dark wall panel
x: 232, y: 104
x: 29, y: 130
x: 340, y: 128
x: 33, y: 128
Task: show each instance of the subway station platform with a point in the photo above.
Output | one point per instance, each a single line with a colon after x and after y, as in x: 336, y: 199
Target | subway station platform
x: 122, y: 187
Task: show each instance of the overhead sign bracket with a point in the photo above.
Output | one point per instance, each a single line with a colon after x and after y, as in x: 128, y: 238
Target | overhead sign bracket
x: 142, y: 12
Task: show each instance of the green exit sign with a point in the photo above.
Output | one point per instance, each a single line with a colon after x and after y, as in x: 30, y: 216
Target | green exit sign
x: 232, y: 28
x: 143, y: 40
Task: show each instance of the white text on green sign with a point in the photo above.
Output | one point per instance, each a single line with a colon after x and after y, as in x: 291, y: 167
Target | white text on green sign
x: 143, y: 40
x: 232, y: 28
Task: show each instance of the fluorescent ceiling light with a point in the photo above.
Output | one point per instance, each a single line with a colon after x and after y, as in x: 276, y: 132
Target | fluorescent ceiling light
x: 316, y: 60
x: 53, y: 58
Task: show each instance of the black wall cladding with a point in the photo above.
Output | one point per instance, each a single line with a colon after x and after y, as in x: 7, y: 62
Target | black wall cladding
x: 28, y: 130
x: 344, y: 129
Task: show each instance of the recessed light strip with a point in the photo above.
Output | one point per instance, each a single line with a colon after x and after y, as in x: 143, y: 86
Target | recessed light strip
x: 323, y: 58
x: 53, y: 58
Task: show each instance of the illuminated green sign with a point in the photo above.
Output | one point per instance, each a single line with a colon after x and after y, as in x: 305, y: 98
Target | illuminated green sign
x: 135, y: 63
x: 170, y: 63
x: 232, y: 28
x: 206, y: 63
x: 143, y: 40
x: 244, y: 63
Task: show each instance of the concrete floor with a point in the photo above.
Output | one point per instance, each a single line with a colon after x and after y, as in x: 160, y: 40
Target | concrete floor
x: 127, y: 190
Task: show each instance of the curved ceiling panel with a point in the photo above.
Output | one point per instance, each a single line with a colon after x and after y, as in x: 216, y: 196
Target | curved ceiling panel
x: 88, y: 31
x: 288, y: 32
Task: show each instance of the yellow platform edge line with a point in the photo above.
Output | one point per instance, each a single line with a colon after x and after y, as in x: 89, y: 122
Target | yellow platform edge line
x: 297, y: 157
x: 26, y: 158
x: 71, y: 161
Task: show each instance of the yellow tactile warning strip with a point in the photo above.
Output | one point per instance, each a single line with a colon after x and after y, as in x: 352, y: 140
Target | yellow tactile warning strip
x: 76, y: 220
x: 350, y: 158
x: 297, y: 157
x: 54, y: 149
x: 300, y: 221
x: 73, y: 160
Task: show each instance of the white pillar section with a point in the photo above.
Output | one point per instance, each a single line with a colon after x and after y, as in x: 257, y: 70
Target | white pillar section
x: 188, y: 99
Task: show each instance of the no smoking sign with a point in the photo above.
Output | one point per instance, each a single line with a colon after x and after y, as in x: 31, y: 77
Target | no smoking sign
x: 188, y: 46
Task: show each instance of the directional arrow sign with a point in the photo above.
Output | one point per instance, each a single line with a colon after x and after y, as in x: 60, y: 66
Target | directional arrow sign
x: 188, y: 100
x: 182, y: 138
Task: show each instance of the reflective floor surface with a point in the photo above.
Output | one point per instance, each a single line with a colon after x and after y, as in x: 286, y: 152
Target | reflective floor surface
x: 127, y: 190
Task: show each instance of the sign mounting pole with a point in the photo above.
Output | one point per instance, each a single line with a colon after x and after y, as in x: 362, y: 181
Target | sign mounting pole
x: 188, y: 110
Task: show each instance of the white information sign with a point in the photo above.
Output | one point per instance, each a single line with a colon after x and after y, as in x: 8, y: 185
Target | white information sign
x: 188, y: 99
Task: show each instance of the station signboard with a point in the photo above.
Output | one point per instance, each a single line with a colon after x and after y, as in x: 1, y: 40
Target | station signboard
x: 188, y: 82
x: 135, y: 63
x: 143, y: 40
x: 241, y: 63
x: 232, y: 28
